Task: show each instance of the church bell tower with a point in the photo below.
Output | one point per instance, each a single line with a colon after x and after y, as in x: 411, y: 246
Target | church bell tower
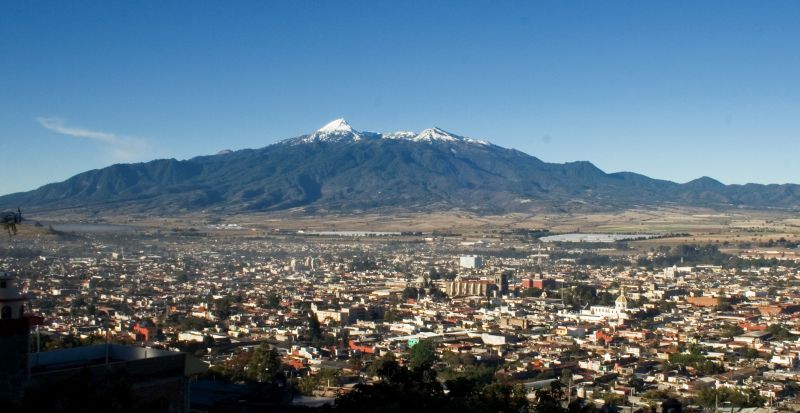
x: 14, y: 339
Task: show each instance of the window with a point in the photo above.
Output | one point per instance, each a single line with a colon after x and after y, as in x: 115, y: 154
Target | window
x: 6, y: 313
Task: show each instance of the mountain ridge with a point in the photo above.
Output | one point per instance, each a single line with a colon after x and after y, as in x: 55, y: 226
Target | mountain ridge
x: 339, y: 169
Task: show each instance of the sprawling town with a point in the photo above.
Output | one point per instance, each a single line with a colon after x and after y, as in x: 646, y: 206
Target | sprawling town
x: 595, y: 324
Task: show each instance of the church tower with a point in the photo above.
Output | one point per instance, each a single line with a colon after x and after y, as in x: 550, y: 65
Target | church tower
x: 14, y: 339
x: 621, y: 302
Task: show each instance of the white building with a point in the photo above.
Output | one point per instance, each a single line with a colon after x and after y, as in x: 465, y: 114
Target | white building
x: 471, y: 261
x: 601, y: 313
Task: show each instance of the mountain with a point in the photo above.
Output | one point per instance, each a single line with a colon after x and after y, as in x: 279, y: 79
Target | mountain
x: 340, y: 169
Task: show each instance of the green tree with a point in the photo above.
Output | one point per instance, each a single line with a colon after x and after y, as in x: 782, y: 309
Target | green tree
x: 325, y: 377
x: 613, y: 400
x: 532, y: 292
x: 391, y: 316
x: 386, y: 367
x: 265, y: 365
x: 272, y: 301
x: 779, y: 332
x: 182, y: 277
x: 709, y: 397
x: 314, y: 329
x: 548, y: 400
x: 731, y: 330
x: 422, y: 355
x: 409, y: 293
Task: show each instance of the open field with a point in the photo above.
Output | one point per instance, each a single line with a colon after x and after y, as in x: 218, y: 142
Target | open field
x: 699, y: 225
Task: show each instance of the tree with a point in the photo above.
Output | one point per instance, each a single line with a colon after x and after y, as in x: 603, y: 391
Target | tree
x: 182, y: 277
x: 265, y: 365
x: 391, y: 316
x: 273, y: 301
x: 724, y: 304
x: 222, y: 308
x: 451, y: 359
x: 314, y: 329
x: 779, y: 332
x: 731, y: 330
x: 710, y: 397
x: 419, y: 390
x: 325, y: 377
x: 566, y: 376
x: 422, y: 355
x: 356, y: 363
x: 410, y: 293
x: 532, y: 292
x: 549, y: 399
x: 386, y: 367
x: 613, y: 400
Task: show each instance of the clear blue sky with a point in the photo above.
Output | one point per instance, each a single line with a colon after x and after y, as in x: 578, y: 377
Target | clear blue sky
x: 675, y: 90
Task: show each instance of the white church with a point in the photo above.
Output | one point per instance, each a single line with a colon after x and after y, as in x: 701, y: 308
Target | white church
x: 616, y: 314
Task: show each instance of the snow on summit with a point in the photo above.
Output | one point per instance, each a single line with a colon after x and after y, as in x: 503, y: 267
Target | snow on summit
x: 338, y: 125
x: 335, y: 131
x: 436, y: 134
x: 339, y: 130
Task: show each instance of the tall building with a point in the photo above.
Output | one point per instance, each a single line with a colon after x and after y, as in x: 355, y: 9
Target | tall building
x: 471, y: 261
x: 502, y: 282
x: 14, y: 339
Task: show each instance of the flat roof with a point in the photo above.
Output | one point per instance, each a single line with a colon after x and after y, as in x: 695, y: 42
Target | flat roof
x: 100, y: 354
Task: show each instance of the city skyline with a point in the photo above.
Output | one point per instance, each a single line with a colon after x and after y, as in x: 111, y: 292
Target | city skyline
x: 673, y: 91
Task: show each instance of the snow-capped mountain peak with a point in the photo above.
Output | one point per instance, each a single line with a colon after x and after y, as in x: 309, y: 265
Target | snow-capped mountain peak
x: 337, y: 130
x: 337, y: 125
x: 436, y: 134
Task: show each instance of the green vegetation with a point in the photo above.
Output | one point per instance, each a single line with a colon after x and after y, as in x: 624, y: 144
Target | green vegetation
x: 685, y: 255
x: 410, y: 293
x: 708, y: 254
x: 532, y: 292
x: 272, y: 301
x: 422, y: 355
x: 709, y: 397
x: 731, y: 330
x: 403, y: 389
x: 780, y: 333
x: 460, y: 383
x: 325, y: 377
x: 261, y: 365
x: 581, y: 295
x: 696, y: 360
x: 655, y: 395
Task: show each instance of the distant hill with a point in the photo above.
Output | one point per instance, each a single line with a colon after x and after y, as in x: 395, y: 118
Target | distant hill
x: 339, y: 169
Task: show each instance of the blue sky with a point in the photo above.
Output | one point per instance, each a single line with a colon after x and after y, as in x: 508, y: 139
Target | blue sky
x: 674, y: 90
